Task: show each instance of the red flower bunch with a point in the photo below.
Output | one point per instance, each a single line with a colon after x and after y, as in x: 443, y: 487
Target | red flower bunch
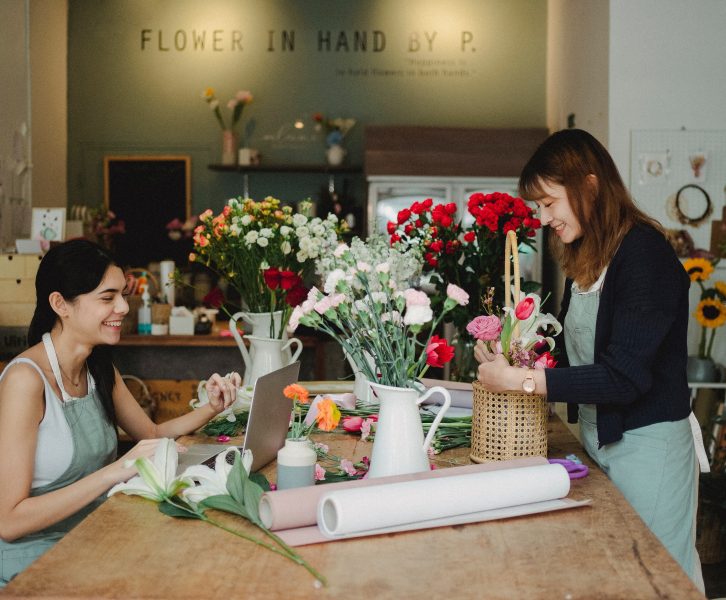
x: 289, y: 282
x: 502, y: 213
x: 471, y: 257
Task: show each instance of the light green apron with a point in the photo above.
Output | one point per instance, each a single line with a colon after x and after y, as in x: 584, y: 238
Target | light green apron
x: 94, y: 446
x: 654, y: 467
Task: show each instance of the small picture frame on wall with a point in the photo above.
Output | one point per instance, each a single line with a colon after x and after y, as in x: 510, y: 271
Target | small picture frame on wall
x: 48, y: 224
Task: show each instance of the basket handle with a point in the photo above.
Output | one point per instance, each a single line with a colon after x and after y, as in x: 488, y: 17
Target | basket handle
x: 511, y: 250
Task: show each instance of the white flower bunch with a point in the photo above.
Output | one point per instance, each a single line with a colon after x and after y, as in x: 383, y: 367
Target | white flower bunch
x: 404, y: 268
x: 365, y: 312
x: 316, y: 237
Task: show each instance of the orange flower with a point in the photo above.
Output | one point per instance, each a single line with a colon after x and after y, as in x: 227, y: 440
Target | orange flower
x: 297, y: 392
x: 328, y: 414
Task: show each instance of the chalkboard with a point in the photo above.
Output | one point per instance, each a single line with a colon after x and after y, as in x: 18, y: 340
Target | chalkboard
x: 147, y: 192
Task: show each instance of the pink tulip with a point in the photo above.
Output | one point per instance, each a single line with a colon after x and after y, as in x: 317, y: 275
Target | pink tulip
x: 524, y: 309
x: 352, y: 424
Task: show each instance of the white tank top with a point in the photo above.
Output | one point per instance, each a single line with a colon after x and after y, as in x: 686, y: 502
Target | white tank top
x: 54, y: 448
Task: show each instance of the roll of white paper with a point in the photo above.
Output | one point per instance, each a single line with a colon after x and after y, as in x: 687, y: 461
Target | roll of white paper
x: 357, y: 510
x: 166, y: 269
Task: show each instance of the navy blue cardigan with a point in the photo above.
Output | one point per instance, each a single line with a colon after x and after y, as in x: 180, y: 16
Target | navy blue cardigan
x: 639, y: 375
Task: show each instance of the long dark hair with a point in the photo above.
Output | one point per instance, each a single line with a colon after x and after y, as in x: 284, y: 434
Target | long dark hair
x: 604, y: 208
x: 73, y: 268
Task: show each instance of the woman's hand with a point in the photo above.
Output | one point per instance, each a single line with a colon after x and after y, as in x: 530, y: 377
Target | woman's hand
x: 494, y: 372
x: 222, y: 391
x: 144, y: 449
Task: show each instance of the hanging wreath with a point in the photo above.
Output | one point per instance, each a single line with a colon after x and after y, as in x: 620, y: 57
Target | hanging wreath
x: 684, y: 218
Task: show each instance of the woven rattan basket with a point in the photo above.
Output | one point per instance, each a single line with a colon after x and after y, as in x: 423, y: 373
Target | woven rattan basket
x: 507, y: 425
x: 511, y: 424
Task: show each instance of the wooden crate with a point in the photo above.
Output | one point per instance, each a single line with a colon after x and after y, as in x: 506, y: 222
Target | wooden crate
x: 171, y: 396
x: 20, y: 290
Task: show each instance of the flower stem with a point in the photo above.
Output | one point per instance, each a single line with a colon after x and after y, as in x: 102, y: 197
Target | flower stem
x: 294, y: 556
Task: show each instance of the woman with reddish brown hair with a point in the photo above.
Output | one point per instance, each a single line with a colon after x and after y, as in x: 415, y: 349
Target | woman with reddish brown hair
x: 622, y: 367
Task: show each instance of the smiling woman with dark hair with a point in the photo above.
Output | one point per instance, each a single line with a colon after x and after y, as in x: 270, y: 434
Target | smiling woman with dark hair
x: 60, y: 401
x: 622, y: 369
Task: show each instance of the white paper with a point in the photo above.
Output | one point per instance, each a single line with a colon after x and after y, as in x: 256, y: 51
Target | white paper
x: 430, y: 503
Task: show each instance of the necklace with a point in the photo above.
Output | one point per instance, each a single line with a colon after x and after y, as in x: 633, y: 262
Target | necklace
x: 69, y: 379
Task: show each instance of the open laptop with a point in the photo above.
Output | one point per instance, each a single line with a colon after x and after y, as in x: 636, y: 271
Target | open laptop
x: 267, y: 424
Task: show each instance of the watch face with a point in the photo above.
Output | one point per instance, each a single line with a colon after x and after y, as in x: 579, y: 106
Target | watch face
x: 528, y: 384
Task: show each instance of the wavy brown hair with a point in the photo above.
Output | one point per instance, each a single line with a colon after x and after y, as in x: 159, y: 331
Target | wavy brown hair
x: 598, y: 197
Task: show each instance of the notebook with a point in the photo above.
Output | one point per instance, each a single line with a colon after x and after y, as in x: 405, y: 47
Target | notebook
x: 267, y: 424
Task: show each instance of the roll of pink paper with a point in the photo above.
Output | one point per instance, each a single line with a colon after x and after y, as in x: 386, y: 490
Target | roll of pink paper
x: 289, y: 509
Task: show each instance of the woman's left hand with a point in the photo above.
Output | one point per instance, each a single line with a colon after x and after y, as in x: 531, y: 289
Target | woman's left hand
x: 493, y: 369
x: 222, y: 391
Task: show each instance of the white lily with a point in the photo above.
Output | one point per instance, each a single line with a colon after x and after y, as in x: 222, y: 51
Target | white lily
x: 157, y: 478
x: 242, y: 402
x: 213, y: 482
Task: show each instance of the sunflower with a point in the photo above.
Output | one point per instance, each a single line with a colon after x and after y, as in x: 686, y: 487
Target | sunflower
x: 710, y: 313
x: 698, y: 269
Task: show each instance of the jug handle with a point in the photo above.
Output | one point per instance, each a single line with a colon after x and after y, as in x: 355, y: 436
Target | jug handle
x: 238, y: 338
x: 434, y: 426
x: 298, y: 350
x: 245, y: 317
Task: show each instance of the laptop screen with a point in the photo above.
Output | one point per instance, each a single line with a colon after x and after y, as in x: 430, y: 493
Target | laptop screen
x: 267, y: 425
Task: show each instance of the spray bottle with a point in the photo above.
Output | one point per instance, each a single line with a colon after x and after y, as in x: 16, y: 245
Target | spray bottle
x: 144, y: 319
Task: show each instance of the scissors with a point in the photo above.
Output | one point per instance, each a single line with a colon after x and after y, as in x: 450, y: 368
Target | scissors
x: 574, y: 470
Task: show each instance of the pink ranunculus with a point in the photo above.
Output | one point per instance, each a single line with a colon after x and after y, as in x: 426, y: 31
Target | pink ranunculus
x: 524, y: 309
x: 545, y: 361
x: 456, y: 293
x: 352, y: 424
x: 485, y: 328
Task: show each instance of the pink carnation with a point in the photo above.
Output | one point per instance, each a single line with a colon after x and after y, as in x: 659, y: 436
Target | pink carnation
x: 457, y: 294
x: 319, y: 473
x: 486, y: 328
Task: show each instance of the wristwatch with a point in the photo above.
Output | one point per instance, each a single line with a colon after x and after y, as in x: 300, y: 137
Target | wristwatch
x: 528, y: 384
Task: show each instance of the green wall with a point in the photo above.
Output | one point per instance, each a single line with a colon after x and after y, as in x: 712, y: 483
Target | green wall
x: 135, y: 79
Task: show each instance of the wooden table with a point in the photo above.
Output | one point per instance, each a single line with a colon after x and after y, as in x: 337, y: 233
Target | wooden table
x: 127, y: 548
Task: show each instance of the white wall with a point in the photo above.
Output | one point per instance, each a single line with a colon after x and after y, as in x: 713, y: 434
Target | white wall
x: 577, y: 65
x: 49, y: 100
x: 667, y: 69
x: 14, y: 109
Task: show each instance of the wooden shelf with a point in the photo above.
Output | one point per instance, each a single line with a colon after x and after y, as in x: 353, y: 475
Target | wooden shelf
x: 287, y: 168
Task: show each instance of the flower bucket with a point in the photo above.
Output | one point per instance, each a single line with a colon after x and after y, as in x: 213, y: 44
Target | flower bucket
x: 510, y: 424
x: 507, y: 425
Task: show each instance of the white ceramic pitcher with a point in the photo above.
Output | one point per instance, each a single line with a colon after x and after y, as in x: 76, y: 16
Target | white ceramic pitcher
x: 399, y: 446
x: 269, y: 355
x: 260, y: 323
x: 361, y: 389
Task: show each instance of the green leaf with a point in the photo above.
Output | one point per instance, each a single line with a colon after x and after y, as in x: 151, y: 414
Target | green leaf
x: 253, y: 493
x: 172, y: 510
x: 226, y: 504
x: 260, y: 480
x: 236, y: 479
